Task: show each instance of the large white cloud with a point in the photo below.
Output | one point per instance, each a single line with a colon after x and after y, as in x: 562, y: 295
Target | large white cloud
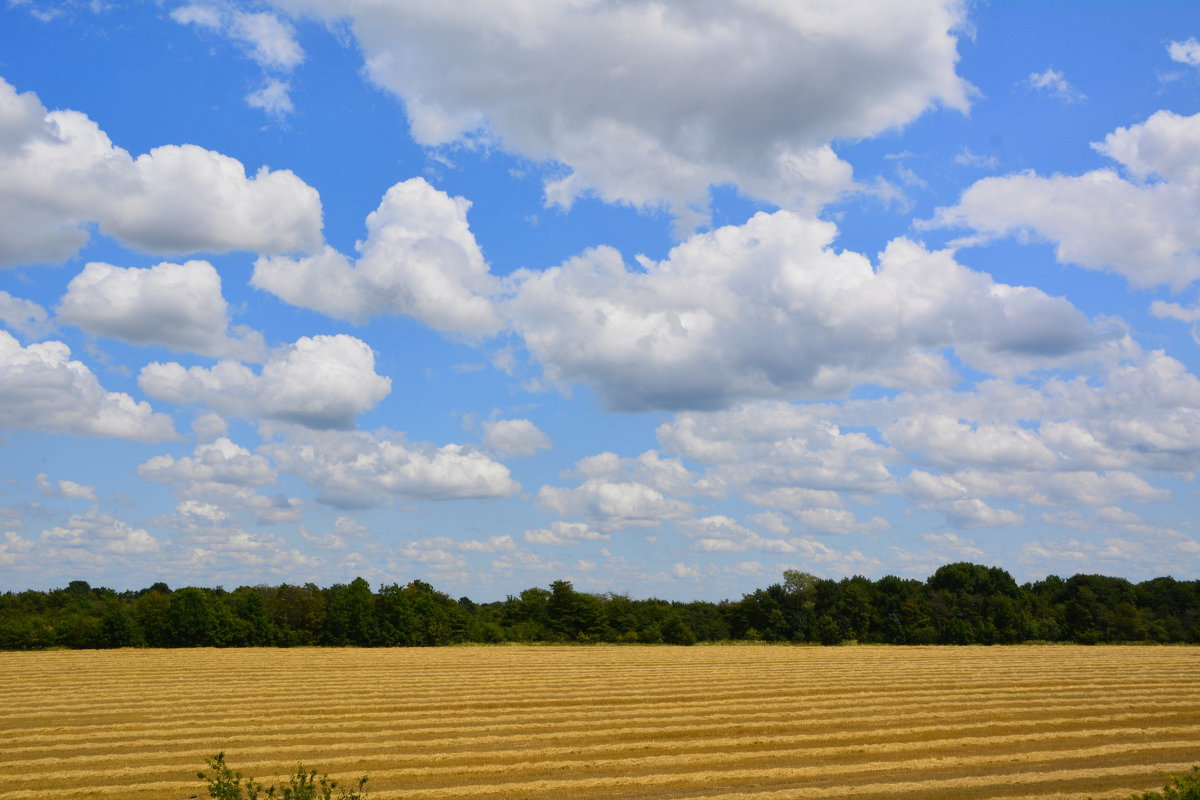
x: 318, y: 381
x: 177, y: 305
x: 650, y: 102
x: 980, y: 455
x: 221, y: 461
x: 360, y: 469
x: 1141, y: 226
x: 1140, y: 414
x: 769, y: 309
x: 61, y: 172
x: 420, y: 259
x: 41, y: 388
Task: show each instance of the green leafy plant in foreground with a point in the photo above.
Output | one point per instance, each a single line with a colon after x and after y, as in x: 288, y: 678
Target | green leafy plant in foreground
x: 1179, y: 787
x: 225, y: 784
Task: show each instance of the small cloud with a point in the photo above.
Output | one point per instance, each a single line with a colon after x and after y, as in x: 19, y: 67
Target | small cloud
x: 966, y: 158
x: 514, y: 437
x: 466, y: 369
x: 564, y: 534
x: 69, y: 490
x: 910, y: 178
x: 1165, y: 310
x: 1186, y: 52
x: 23, y: 316
x: 272, y: 41
x: 684, y: 571
x: 265, y: 38
x: 204, y: 16
x: 1052, y: 82
x: 272, y: 98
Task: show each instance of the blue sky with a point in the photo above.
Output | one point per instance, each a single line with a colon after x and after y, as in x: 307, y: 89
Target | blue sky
x: 661, y: 298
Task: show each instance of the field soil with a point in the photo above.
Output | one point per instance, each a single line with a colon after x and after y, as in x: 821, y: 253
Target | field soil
x: 745, y: 722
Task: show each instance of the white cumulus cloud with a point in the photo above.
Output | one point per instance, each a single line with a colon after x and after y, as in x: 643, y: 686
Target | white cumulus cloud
x: 23, y: 316
x: 61, y: 172
x: 514, y: 437
x: 176, y: 305
x: 419, y: 259
x: 67, y: 489
x: 769, y: 309
x: 41, y: 388
x: 221, y: 461
x: 1140, y: 226
x: 318, y: 381
x: 565, y: 534
x: 1054, y: 83
x: 650, y: 103
x: 357, y: 469
x: 1185, y: 52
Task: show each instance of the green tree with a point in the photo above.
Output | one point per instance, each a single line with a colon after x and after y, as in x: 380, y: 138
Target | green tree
x: 189, y: 620
x: 676, y: 631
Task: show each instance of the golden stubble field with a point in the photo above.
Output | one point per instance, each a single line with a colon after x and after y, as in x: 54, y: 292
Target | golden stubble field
x: 607, y: 722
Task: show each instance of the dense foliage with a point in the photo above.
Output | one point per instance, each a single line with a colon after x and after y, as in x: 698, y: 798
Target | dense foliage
x: 959, y: 604
x: 1179, y: 787
x: 223, y: 783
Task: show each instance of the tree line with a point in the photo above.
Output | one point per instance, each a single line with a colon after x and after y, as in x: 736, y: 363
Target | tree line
x: 960, y: 603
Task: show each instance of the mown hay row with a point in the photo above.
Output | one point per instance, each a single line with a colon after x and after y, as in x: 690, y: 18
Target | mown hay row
x: 605, y: 722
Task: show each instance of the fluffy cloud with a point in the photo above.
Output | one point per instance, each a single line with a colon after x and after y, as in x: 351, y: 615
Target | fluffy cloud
x: 273, y: 97
x: 1141, y: 413
x: 1141, y: 227
x: 618, y: 493
x: 514, y: 437
x: 13, y: 546
x: 721, y: 534
x: 360, y: 469
x: 68, y: 489
x: 1052, y: 82
x: 647, y: 103
x: 176, y: 305
x: 1063, y: 488
x: 270, y: 41
x: 614, y: 505
x: 667, y: 475
x: 23, y: 316
x: 1185, y: 52
x: 419, y: 259
x: 222, y: 462
x: 769, y: 309
x: 99, y: 535
x: 946, y: 441
x: 267, y: 39
x: 976, y: 455
x: 41, y: 388
x: 565, y: 534
x: 62, y: 172
x: 784, y: 452
x: 223, y: 501
x: 319, y: 381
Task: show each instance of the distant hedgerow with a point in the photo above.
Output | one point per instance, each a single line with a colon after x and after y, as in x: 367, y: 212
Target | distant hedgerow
x: 225, y: 784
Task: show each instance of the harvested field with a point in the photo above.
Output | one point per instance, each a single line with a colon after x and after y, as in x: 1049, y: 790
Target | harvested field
x: 745, y: 722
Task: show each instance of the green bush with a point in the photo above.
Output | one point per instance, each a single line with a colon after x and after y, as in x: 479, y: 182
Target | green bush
x: 1179, y: 787
x: 225, y: 784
